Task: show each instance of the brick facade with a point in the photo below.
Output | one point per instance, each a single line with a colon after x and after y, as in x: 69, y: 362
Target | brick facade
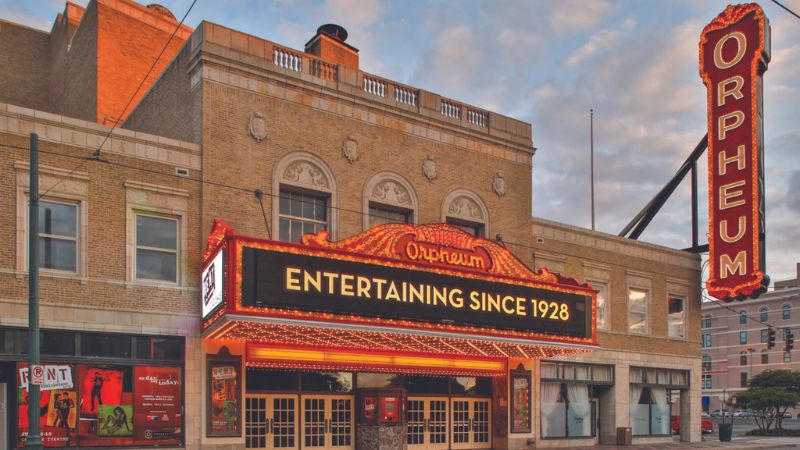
x: 197, y: 116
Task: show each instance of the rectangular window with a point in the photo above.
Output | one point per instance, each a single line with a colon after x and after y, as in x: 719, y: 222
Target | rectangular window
x: 638, y: 305
x: 764, y: 335
x: 787, y: 357
x: 380, y: 214
x: 764, y: 357
x: 301, y: 213
x: 676, y: 319
x: 743, y: 379
x: 473, y: 228
x: 156, y: 248
x: 602, y: 305
x: 706, y: 340
x: 784, y: 332
x: 706, y: 381
x: 743, y: 337
x: 58, y: 236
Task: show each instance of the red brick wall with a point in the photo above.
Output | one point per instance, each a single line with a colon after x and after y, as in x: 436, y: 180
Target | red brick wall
x: 127, y: 45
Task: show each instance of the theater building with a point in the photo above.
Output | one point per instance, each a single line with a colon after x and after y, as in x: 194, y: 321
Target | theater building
x: 277, y: 249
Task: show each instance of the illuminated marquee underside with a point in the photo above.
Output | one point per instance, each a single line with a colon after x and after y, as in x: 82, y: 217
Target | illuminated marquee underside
x: 310, y: 336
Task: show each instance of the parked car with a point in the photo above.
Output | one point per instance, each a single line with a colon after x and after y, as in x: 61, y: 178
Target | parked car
x: 787, y: 415
x: 704, y: 415
x: 706, y: 426
x: 720, y: 413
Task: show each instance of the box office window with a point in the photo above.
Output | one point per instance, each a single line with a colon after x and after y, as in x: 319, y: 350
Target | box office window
x: 301, y: 213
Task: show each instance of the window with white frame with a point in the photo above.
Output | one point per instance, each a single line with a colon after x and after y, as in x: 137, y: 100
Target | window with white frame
x: 602, y: 305
x: 706, y: 381
x: 706, y: 321
x: 743, y: 337
x: 301, y: 213
x: 764, y: 335
x: 706, y: 363
x: 638, y: 307
x: 742, y: 317
x: 676, y: 317
x: 764, y: 314
x: 157, y: 249
x: 787, y: 312
x: 706, y: 340
x: 58, y: 235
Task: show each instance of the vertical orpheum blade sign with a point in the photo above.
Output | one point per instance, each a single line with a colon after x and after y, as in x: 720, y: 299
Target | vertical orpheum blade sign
x: 734, y: 52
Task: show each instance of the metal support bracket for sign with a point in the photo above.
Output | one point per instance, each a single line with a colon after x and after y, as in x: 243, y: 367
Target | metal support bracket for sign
x: 639, y: 223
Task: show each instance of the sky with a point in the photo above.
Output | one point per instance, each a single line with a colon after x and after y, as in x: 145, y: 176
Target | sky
x: 548, y: 62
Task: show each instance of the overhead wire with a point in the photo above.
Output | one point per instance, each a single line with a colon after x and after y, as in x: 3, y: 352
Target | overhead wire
x: 96, y: 153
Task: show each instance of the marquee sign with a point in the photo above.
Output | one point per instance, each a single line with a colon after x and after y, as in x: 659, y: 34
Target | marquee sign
x: 431, y: 276
x: 734, y: 52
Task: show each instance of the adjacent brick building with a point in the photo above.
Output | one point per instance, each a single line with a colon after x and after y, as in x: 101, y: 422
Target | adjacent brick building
x: 228, y: 116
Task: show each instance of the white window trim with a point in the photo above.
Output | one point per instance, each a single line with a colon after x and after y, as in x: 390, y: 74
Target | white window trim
x: 137, y: 213
x: 647, y: 330
x: 368, y: 198
x: 62, y: 186
x: 279, y: 180
x: 607, y: 284
x: 685, y: 316
x: 154, y: 200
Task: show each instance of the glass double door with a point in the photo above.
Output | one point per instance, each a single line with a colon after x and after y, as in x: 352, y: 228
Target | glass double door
x: 440, y: 423
x: 286, y: 421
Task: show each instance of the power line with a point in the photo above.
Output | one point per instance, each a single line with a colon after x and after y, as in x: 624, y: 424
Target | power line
x: 787, y: 9
x: 96, y: 154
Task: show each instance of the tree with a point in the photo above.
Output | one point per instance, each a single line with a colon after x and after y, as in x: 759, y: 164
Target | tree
x: 769, y: 395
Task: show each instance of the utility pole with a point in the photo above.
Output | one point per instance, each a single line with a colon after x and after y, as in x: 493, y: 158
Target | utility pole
x: 34, y: 439
x: 591, y: 157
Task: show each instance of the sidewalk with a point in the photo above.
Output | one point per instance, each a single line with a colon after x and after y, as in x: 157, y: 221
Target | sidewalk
x: 748, y: 442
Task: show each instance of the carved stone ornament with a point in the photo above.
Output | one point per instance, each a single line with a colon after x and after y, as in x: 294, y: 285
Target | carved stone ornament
x: 350, y: 149
x: 391, y: 193
x: 499, y: 184
x: 465, y: 208
x: 306, y: 173
x: 429, y: 168
x: 257, y: 126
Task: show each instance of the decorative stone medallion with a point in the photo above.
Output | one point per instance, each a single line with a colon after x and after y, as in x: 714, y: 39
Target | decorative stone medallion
x: 257, y: 126
x: 429, y: 168
x: 499, y: 184
x: 350, y: 149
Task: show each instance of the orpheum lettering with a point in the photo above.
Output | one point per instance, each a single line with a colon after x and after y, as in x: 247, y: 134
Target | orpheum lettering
x: 416, y: 251
x: 734, y: 52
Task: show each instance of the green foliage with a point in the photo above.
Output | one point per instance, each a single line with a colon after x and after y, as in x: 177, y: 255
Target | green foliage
x: 769, y: 395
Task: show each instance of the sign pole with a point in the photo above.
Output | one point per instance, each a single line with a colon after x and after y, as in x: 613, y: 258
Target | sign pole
x: 34, y: 439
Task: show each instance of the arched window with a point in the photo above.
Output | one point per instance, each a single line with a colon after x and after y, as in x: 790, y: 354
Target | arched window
x: 743, y: 358
x: 307, y: 197
x: 742, y: 317
x: 706, y: 363
x: 464, y: 209
x: 389, y: 198
x: 764, y: 314
x: 787, y: 312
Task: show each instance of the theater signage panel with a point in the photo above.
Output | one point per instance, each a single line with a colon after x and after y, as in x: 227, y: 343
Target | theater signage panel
x: 734, y: 53
x: 434, y: 277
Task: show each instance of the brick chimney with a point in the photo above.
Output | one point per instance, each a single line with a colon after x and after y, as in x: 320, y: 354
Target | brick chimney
x: 329, y: 45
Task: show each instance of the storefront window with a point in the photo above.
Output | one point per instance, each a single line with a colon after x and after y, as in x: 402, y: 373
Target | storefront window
x: 649, y: 399
x: 567, y: 407
x: 58, y: 343
x: 107, y: 346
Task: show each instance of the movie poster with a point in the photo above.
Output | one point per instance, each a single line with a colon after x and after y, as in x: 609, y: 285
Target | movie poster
x: 115, y: 420
x: 57, y: 408
x: 157, y: 404
x: 521, y: 402
x: 99, y: 387
x: 224, y: 414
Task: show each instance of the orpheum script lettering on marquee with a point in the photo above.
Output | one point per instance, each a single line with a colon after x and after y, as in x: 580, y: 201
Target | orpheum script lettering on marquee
x: 734, y: 52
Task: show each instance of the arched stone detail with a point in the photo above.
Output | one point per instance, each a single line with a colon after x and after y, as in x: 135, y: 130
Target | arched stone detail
x: 389, y: 188
x: 307, y: 172
x: 465, y: 205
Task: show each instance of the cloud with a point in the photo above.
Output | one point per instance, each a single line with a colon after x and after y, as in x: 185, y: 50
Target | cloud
x: 578, y: 15
x: 601, y: 40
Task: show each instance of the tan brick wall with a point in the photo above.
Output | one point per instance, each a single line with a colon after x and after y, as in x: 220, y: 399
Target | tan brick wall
x: 24, y: 65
